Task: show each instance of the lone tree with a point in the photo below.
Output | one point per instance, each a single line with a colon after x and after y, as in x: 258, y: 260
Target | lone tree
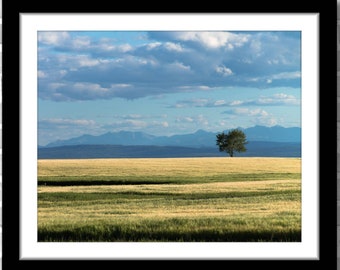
x: 233, y: 141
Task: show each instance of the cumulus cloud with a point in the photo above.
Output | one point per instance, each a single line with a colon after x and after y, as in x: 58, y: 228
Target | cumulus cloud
x: 170, y: 46
x: 224, y: 71
x: 166, y: 62
x: 54, y: 38
x: 209, y: 39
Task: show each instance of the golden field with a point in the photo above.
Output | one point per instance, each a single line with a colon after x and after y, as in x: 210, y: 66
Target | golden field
x: 170, y: 199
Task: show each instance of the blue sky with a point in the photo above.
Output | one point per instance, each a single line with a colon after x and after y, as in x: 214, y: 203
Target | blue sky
x: 166, y: 82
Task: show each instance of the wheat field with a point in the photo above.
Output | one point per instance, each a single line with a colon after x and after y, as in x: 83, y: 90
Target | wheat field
x: 170, y: 199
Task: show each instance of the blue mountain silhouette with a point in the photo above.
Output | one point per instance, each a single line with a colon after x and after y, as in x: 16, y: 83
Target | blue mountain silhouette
x: 200, y: 138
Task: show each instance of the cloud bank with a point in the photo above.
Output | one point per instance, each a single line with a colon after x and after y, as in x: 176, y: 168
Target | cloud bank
x: 76, y: 66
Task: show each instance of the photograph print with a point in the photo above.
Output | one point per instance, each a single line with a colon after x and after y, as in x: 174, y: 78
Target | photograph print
x: 170, y: 136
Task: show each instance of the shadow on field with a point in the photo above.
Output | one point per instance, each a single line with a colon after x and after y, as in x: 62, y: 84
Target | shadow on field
x: 119, y: 235
x: 99, y: 182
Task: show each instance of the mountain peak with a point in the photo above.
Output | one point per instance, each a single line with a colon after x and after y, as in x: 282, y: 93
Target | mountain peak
x: 201, y: 131
x: 200, y: 138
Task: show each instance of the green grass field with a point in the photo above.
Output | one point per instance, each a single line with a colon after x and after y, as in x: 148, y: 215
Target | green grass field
x: 170, y: 200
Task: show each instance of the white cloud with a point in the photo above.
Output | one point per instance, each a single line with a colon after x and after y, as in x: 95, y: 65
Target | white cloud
x: 236, y: 103
x: 265, y: 121
x: 170, y: 46
x: 53, y: 37
x: 224, y: 71
x: 278, y: 99
x: 62, y: 72
x: 256, y: 116
x: 53, y: 129
x: 90, y: 87
x: 109, y: 47
x: 248, y: 112
x: 159, y: 66
x: 197, y: 102
x: 194, y: 87
x: 202, y: 120
x: 55, y: 85
x: 204, y: 87
x: 121, y: 85
x: 136, y: 125
x: 287, y: 75
x: 273, y: 62
x: 85, y: 61
x: 184, y: 119
x: 179, y: 66
x: 153, y: 45
x: 130, y: 116
x: 256, y: 47
x: 214, y: 40
x: 219, y: 102
x: 63, y: 122
x: 80, y: 42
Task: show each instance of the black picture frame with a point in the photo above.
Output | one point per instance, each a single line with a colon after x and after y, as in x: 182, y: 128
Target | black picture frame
x: 12, y: 132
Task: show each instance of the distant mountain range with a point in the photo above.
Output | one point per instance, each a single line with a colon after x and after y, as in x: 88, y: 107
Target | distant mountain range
x: 200, y: 138
x: 262, y: 142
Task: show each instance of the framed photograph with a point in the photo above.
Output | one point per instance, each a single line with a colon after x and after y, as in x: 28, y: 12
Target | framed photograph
x: 116, y: 109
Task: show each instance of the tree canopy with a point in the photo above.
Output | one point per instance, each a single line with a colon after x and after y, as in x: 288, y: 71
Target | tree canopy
x: 234, y: 141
